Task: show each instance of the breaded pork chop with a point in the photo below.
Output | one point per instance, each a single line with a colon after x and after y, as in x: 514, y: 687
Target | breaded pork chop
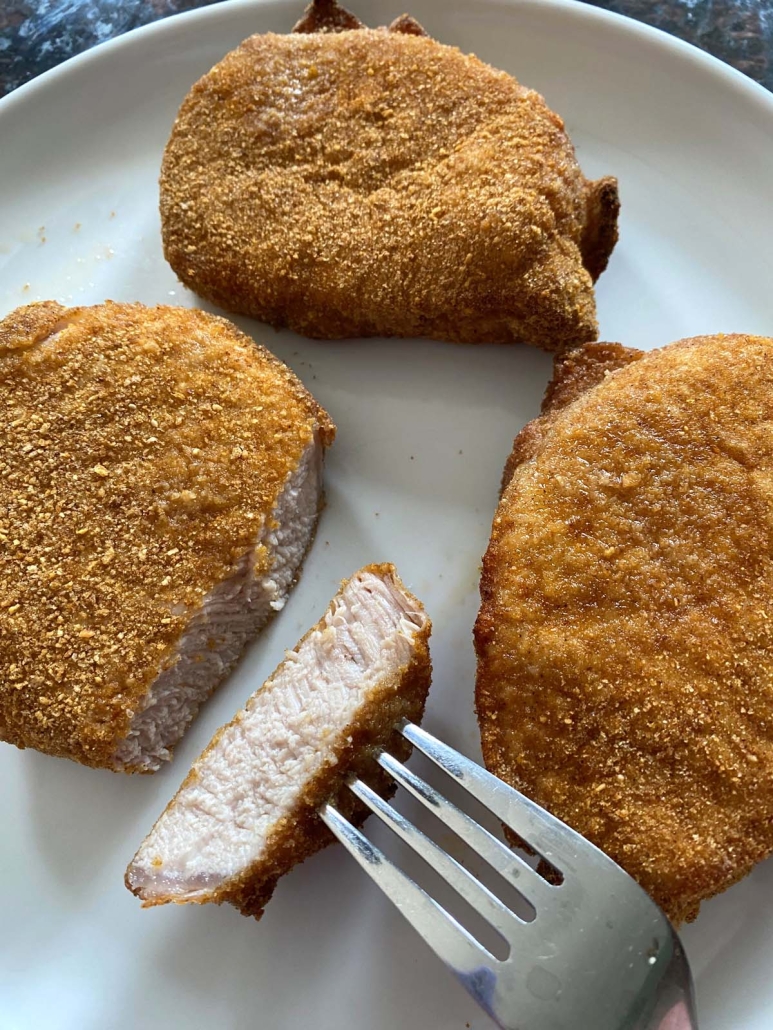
x: 160, y: 480
x: 246, y: 814
x: 344, y: 181
x: 625, y: 640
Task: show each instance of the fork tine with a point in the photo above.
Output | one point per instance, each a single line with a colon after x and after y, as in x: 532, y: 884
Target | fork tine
x: 447, y: 938
x: 536, y: 827
x: 510, y: 865
x: 462, y: 881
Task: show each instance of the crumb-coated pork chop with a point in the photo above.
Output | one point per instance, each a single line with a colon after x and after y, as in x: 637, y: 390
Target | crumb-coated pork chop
x: 625, y: 639
x: 247, y: 811
x: 160, y: 481
x: 344, y: 182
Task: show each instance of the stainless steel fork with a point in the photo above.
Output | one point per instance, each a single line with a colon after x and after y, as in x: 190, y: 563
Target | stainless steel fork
x: 598, y: 954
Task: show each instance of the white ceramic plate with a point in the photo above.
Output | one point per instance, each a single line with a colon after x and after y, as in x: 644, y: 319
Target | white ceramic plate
x: 424, y: 429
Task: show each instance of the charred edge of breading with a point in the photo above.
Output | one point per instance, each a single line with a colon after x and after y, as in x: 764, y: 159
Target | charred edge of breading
x: 330, y: 16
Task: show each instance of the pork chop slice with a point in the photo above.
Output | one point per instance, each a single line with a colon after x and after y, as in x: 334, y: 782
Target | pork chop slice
x: 247, y: 812
x: 159, y: 487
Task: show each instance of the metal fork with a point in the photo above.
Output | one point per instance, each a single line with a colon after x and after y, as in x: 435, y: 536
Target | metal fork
x: 598, y: 955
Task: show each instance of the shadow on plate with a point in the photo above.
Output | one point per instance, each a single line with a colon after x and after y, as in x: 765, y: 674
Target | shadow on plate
x: 371, y: 389
x: 81, y: 817
x: 321, y: 930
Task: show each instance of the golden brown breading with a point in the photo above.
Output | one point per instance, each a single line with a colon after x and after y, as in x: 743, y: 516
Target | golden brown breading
x: 142, y: 448
x: 344, y: 181
x: 625, y: 645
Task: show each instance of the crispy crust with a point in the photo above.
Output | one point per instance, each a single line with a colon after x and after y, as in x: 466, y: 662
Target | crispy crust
x: 396, y: 220
x: 147, y: 447
x: 25, y: 327
x: 624, y: 652
x: 407, y: 25
x: 574, y: 372
x: 402, y: 695
x: 601, y: 233
x: 326, y: 16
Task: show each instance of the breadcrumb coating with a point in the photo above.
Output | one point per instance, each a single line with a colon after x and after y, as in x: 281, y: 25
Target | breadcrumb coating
x: 625, y: 641
x: 142, y: 450
x: 344, y: 181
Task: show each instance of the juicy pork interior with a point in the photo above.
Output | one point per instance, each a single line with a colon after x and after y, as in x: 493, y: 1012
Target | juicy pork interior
x: 231, y: 614
x: 247, y: 811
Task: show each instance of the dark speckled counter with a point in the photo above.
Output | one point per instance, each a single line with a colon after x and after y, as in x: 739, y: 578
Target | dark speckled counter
x: 37, y: 34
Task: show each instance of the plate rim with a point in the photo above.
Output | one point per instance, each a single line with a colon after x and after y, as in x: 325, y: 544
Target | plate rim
x: 724, y: 73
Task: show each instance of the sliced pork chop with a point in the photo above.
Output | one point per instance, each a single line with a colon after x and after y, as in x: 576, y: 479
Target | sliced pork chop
x: 247, y: 811
x: 160, y: 486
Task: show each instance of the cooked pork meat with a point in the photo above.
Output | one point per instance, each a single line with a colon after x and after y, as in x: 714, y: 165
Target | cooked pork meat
x: 247, y: 811
x: 161, y: 479
x: 625, y: 645
x: 345, y: 181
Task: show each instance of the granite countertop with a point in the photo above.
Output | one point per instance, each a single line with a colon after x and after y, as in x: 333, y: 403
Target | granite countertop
x: 37, y: 34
